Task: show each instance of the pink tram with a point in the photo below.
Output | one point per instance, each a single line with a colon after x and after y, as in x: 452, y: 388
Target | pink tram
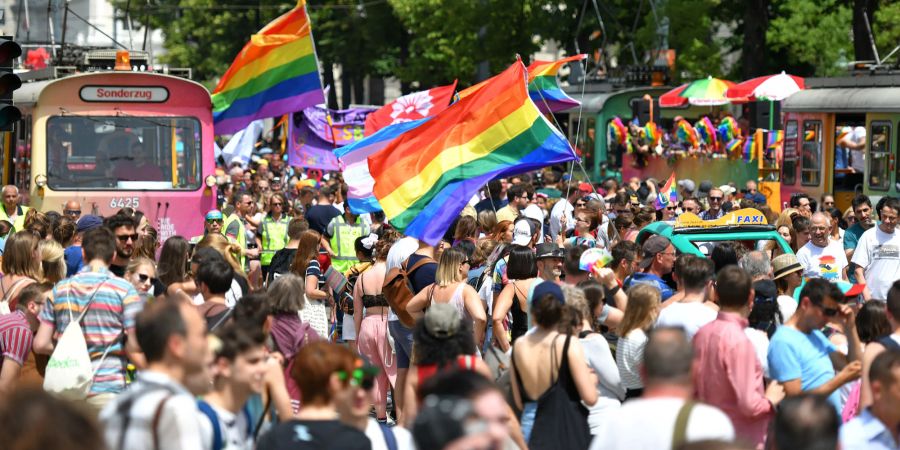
x: 116, y: 139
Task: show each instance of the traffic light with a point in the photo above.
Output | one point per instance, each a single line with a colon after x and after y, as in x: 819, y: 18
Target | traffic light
x: 9, y: 82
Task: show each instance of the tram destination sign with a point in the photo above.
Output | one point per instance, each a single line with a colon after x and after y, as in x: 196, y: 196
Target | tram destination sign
x: 124, y: 94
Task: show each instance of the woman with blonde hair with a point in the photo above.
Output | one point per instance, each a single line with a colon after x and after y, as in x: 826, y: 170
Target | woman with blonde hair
x: 306, y: 265
x: 141, y: 273
x: 450, y: 286
x: 642, y: 311
x: 147, y: 244
x: 53, y: 262
x: 21, y: 268
x: 229, y: 250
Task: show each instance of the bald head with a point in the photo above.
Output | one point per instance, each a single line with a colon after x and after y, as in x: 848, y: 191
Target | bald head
x: 668, y: 357
x: 10, y: 197
x: 819, y: 229
x: 72, y: 209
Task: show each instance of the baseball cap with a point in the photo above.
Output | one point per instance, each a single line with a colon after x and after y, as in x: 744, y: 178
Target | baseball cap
x: 705, y: 187
x: 727, y: 189
x: 214, y: 214
x: 786, y: 264
x: 585, y: 187
x: 522, y: 232
x: 651, y: 247
x: 88, y: 222
x: 442, y: 320
x: 687, y: 184
x: 548, y: 287
x: 548, y: 250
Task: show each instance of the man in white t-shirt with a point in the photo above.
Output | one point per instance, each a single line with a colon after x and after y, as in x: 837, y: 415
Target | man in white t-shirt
x: 821, y: 257
x: 694, y: 276
x: 877, y: 255
x: 649, y: 422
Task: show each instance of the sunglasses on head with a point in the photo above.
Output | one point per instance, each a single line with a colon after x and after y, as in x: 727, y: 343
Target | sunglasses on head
x: 363, y: 377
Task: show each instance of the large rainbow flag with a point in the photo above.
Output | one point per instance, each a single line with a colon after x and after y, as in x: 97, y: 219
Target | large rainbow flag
x: 543, y: 86
x: 425, y: 177
x: 275, y: 73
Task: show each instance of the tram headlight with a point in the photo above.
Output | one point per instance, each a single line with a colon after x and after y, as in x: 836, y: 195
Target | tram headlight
x: 40, y: 181
x: 210, y: 180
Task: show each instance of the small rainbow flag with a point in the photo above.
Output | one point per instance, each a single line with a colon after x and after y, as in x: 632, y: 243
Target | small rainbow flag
x: 809, y: 135
x: 652, y: 134
x: 425, y: 177
x: 275, y: 73
x: 775, y: 138
x: 667, y: 195
x: 733, y: 146
x: 617, y: 131
x: 706, y: 131
x: 686, y: 133
x: 543, y: 86
x: 748, y: 148
x: 728, y: 129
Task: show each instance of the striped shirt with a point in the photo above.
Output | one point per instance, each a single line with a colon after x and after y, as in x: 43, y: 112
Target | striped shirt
x: 114, y: 308
x: 15, y: 337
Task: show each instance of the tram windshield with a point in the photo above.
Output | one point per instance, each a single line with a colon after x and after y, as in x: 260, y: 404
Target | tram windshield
x: 124, y: 152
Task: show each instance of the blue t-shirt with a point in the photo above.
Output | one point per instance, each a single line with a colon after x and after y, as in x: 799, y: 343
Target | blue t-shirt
x: 665, y: 290
x: 794, y: 354
x: 74, y: 260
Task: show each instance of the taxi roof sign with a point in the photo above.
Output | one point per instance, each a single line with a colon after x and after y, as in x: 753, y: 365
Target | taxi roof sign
x: 741, y: 217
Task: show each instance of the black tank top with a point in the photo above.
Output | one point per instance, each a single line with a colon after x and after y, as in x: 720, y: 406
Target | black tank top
x: 519, y: 325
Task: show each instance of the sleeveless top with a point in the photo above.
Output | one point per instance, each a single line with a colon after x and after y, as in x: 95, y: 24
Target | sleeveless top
x: 456, y: 300
x: 560, y: 419
x: 521, y: 319
x: 371, y: 300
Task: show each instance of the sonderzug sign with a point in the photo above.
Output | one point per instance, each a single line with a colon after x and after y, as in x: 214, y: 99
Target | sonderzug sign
x: 123, y: 94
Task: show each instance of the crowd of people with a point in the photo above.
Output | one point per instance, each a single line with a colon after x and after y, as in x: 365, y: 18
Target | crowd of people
x: 293, y: 322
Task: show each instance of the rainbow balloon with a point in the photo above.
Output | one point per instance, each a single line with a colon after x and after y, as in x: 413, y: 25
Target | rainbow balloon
x: 706, y: 131
x: 728, y: 129
x: 652, y: 134
x: 686, y: 133
x: 617, y: 131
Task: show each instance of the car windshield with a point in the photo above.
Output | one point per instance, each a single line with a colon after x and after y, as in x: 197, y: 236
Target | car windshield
x: 124, y: 152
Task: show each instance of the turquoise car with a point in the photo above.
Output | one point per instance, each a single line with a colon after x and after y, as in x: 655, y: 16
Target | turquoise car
x: 689, y: 233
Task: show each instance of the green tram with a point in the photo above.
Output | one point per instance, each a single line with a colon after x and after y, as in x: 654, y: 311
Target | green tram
x: 603, y: 102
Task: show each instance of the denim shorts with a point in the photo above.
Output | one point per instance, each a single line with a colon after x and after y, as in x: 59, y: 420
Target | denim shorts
x: 403, y: 342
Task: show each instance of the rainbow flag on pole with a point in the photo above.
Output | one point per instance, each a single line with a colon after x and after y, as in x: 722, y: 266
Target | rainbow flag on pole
x: 275, y: 73
x: 543, y: 86
x: 667, y: 194
x: 425, y: 177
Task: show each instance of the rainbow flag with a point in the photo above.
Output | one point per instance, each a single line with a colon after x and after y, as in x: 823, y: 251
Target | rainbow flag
x: 706, y: 131
x: 775, y: 138
x: 652, y: 134
x: 733, y: 146
x: 275, y: 73
x: 354, y: 160
x: 543, y: 86
x: 728, y: 129
x: 748, y: 148
x: 667, y: 195
x: 617, y: 131
x: 425, y: 177
x: 686, y: 133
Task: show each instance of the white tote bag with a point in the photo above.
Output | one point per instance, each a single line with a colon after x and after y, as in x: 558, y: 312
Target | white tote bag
x: 69, y: 373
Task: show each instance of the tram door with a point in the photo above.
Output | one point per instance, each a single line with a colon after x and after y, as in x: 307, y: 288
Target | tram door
x: 881, y: 160
x: 849, y: 158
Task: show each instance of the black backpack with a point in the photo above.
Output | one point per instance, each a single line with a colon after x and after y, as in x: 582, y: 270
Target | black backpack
x: 766, y: 315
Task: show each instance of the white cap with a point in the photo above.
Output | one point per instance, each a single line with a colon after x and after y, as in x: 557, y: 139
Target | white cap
x: 727, y: 189
x: 522, y: 233
x: 535, y: 212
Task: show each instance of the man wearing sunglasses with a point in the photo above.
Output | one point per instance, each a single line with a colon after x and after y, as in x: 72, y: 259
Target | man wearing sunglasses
x: 519, y: 196
x: 716, y: 199
x: 72, y: 210
x: 355, y: 403
x: 124, y: 228
x: 802, y: 359
x: 212, y: 224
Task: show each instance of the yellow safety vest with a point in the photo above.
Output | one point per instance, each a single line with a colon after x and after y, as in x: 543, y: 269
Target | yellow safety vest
x: 19, y: 223
x: 241, y: 236
x: 274, y: 238
x: 342, y: 243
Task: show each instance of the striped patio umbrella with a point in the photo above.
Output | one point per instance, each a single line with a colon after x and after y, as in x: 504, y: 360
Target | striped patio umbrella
x: 673, y: 98
x: 707, y: 92
x: 770, y: 87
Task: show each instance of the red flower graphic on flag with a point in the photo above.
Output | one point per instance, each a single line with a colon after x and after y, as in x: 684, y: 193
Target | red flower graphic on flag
x: 411, y: 107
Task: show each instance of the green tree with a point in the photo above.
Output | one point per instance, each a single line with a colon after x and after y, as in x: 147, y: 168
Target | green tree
x: 812, y: 33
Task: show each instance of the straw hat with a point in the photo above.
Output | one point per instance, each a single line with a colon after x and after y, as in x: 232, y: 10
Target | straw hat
x: 784, y: 265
